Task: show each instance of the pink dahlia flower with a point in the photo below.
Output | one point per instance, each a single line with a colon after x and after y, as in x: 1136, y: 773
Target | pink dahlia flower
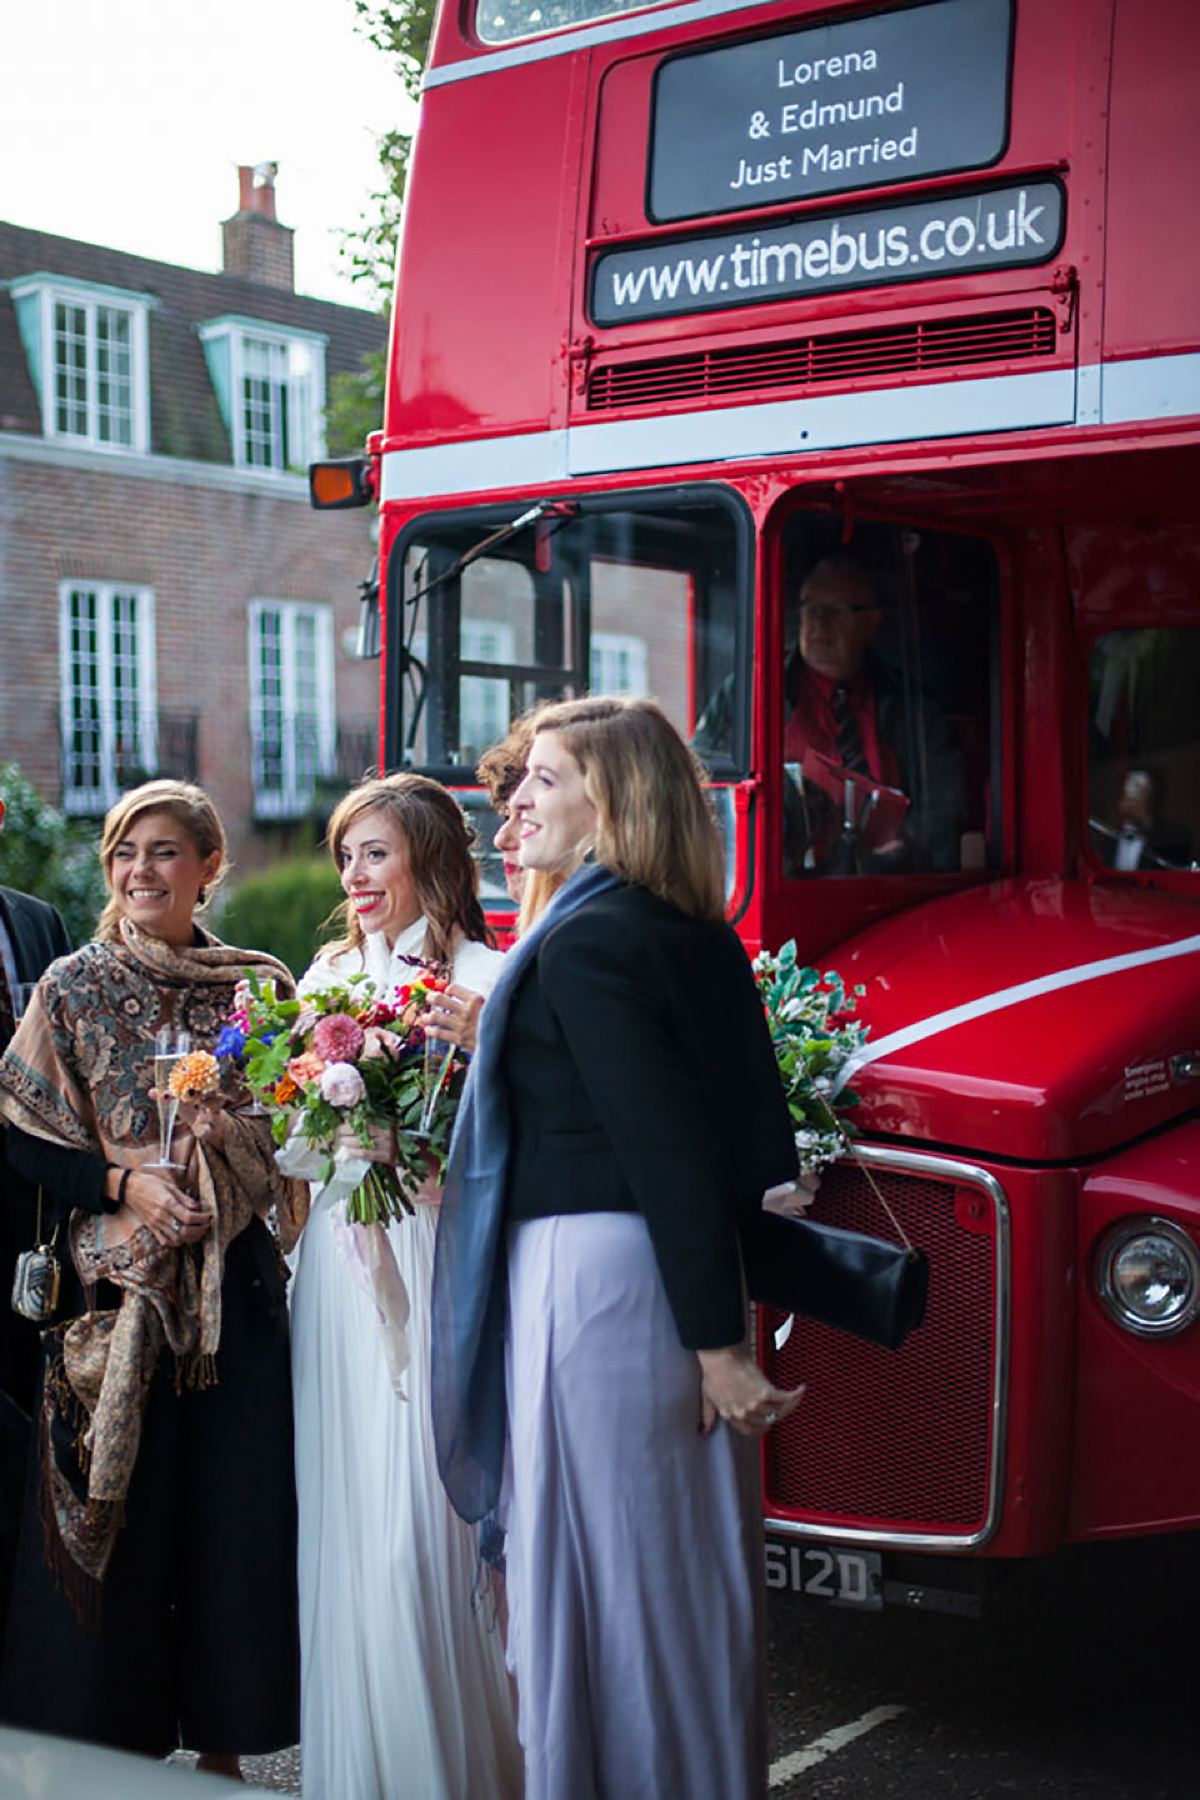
x: 338, y: 1038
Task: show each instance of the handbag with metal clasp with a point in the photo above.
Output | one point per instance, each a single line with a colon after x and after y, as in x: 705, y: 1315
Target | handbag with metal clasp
x: 37, y: 1278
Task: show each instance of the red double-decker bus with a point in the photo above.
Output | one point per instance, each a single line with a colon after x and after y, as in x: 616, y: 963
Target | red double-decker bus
x: 797, y: 362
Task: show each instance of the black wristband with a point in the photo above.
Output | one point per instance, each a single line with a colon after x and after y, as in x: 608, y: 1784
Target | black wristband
x: 107, y: 1205
x: 121, y: 1189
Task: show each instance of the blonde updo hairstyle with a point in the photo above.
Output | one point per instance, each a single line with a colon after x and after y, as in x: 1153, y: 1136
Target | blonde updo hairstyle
x: 654, y: 825
x: 437, y: 840
x: 192, y: 811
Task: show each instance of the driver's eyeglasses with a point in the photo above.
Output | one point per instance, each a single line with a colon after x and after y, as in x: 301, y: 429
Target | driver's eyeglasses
x: 825, y: 614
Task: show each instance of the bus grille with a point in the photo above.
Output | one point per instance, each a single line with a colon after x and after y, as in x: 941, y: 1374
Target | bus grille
x: 894, y: 1441
x: 841, y: 358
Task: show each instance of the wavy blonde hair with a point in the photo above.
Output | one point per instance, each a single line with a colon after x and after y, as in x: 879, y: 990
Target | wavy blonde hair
x: 192, y: 811
x: 437, y: 841
x: 654, y: 825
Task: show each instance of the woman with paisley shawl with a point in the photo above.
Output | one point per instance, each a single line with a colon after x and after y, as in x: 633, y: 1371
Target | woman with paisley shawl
x: 155, y: 1601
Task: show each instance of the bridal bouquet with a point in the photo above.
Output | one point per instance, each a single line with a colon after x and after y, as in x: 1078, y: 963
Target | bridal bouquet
x: 813, y: 1035
x: 345, y: 1063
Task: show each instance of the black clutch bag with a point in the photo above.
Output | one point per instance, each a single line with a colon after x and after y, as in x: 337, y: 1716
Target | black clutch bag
x: 864, y: 1285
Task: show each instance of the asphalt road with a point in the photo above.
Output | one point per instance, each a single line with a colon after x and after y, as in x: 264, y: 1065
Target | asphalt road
x: 1081, y: 1683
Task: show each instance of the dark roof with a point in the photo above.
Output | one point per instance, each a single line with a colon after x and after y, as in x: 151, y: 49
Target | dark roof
x: 185, y: 419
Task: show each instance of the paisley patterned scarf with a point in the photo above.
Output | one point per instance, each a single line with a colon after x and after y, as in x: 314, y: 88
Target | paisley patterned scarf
x: 78, y: 1074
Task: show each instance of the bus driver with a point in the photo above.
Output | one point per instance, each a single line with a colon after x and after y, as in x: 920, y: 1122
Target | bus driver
x: 848, y: 719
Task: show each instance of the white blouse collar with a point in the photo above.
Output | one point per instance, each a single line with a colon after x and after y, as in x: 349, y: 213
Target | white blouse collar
x: 387, y: 967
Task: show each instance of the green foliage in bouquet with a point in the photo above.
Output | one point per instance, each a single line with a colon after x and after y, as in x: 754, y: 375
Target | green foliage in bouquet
x: 813, y: 1036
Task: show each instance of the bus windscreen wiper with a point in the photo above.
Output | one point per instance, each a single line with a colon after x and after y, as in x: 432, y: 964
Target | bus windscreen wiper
x: 560, y: 510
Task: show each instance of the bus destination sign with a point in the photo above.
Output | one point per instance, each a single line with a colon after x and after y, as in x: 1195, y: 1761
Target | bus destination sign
x: 921, y: 90
x: 823, y: 253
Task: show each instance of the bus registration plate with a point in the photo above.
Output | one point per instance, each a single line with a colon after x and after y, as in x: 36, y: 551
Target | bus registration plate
x: 826, y: 1572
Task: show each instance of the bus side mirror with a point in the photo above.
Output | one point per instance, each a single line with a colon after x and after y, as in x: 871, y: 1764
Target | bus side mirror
x: 334, y: 485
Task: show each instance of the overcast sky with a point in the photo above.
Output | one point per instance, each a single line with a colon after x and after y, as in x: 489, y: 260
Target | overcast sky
x: 123, y: 122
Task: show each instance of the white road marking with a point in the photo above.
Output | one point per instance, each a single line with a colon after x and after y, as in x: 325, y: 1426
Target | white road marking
x: 788, y: 1767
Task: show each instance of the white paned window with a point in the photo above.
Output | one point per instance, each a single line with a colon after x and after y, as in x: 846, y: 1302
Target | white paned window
x: 106, y: 665
x: 483, y: 702
x: 292, y: 717
x: 88, y: 350
x: 271, y: 388
x: 618, y: 664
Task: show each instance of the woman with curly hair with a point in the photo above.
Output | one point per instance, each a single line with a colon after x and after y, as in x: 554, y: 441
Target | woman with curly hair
x: 154, y: 1602
x: 403, y: 1682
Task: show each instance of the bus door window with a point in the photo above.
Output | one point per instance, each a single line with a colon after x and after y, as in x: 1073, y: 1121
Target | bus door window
x: 1144, y: 749
x: 890, y: 678
x: 634, y: 596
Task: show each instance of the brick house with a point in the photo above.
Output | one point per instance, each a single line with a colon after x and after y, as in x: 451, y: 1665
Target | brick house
x: 169, y: 603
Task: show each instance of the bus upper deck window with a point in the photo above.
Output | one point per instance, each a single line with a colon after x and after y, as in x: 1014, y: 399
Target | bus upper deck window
x: 1144, y: 749
x: 890, y: 765
x: 503, y: 21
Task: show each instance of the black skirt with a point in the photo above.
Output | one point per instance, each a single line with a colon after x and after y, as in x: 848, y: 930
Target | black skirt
x: 198, y: 1642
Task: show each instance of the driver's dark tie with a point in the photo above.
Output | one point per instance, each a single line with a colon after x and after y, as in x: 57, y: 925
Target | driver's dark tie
x: 849, y: 743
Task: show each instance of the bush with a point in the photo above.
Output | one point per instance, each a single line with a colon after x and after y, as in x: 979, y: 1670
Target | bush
x: 283, y: 910
x: 44, y: 853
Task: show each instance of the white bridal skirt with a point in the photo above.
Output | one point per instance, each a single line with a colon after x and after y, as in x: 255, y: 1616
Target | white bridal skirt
x: 635, y: 1564
x: 404, y: 1690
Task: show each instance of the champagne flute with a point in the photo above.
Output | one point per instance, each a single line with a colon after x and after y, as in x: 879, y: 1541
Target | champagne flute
x: 438, y: 1054
x: 170, y: 1044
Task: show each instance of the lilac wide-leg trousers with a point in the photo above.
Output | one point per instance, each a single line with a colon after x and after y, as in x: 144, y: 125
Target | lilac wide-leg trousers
x: 635, y: 1564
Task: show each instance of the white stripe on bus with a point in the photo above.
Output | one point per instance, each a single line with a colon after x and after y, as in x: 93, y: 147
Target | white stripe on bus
x: 826, y: 422
x: 1145, y: 389
x: 1002, y: 998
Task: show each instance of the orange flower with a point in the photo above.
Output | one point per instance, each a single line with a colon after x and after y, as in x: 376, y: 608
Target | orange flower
x: 194, y: 1076
x: 306, y: 1068
x: 285, y: 1091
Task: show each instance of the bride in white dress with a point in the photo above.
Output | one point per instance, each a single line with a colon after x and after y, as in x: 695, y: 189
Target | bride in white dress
x: 404, y: 1690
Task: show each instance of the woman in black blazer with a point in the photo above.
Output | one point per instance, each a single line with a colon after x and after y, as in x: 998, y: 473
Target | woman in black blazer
x: 636, y: 1119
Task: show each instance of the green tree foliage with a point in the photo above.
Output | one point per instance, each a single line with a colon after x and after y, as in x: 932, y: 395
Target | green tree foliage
x: 355, y: 405
x: 400, y: 29
x: 283, y: 911
x: 44, y: 853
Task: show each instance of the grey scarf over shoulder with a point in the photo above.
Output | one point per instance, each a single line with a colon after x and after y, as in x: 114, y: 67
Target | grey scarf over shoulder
x: 469, y: 1298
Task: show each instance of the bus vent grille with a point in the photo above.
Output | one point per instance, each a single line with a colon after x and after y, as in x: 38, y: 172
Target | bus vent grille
x: 841, y: 358
x: 894, y: 1441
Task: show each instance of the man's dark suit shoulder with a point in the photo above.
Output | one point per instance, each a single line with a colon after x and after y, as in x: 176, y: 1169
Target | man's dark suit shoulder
x: 36, y: 930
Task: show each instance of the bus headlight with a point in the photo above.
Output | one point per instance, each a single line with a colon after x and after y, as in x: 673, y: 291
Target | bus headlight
x: 1148, y: 1276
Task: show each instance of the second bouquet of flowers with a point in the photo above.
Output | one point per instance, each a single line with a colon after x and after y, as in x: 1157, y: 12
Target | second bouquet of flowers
x: 814, y: 1037
x: 338, y: 1068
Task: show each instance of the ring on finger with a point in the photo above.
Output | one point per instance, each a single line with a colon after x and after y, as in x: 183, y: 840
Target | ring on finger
x: 771, y: 1417
x: 176, y: 1225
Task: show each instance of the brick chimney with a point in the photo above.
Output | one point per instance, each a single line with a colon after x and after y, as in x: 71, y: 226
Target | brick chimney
x: 256, y: 245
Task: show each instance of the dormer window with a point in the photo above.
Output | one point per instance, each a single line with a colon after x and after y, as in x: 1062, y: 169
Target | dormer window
x: 88, y: 351
x: 271, y: 387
